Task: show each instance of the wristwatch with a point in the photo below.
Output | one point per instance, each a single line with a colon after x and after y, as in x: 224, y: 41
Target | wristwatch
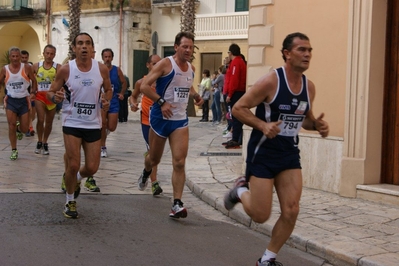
x: 160, y: 101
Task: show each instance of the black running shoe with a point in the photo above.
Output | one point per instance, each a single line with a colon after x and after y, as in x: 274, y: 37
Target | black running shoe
x: 268, y: 263
x: 142, y: 182
x: 70, y: 210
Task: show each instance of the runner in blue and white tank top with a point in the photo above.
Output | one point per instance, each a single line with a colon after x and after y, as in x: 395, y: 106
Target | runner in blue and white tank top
x: 174, y: 77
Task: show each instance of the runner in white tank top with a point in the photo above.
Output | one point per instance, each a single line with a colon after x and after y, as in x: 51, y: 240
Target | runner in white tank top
x: 17, y: 77
x: 81, y: 107
x: 81, y: 119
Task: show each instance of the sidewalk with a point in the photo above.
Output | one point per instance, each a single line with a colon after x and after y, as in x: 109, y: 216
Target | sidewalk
x: 341, y: 230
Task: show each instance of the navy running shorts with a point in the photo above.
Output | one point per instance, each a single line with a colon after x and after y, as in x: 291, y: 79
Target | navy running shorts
x: 271, y: 166
x: 20, y: 106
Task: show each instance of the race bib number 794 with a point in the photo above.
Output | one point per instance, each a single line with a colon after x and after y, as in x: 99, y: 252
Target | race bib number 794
x: 291, y: 124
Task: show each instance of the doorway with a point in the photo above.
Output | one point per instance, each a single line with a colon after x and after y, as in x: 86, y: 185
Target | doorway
x: 390, y: 140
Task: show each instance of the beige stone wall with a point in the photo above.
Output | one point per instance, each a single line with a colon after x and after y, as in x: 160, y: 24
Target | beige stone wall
x: 348, y: 37
x: 61, y: 5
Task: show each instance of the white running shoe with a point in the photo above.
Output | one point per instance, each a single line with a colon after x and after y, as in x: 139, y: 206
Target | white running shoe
x: 228, y: 135
x: 104, y: 152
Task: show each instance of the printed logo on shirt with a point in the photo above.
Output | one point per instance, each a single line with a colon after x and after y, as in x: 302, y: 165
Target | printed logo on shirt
x: 301, y: 108
x: 284, y: 107
x: 77, y: 77
x: 87, y: 82
x: 294, y: 101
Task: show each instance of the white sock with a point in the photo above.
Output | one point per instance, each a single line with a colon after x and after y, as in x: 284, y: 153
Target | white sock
x: 79, y: 177
x: 268, y: 255
x: 241, y: 190
x: 69, y: 197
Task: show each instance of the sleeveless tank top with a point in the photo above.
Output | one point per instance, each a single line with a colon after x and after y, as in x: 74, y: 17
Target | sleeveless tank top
x: 287, y: 106
x: 81, y: 107
x: 174, y: 88
x: 44, y: 76
x: 145, y: 108
x: 115, y: 82
x: 17, y: 84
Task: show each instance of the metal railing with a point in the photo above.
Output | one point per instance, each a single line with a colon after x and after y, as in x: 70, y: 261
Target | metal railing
x: 222, y: 26
x: 17, y: 4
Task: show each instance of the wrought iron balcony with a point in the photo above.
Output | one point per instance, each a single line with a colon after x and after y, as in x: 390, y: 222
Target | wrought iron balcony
x: 15, y: 9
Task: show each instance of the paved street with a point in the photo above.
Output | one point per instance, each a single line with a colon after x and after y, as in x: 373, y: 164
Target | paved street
x: 340, y: 230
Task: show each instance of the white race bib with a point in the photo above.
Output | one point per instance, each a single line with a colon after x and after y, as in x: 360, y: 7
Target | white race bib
x: 291, y: 124
x: 180, y: 95
x: 84, y: 111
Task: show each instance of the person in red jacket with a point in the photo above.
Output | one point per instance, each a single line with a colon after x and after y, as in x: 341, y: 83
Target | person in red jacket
x: 236, y: 79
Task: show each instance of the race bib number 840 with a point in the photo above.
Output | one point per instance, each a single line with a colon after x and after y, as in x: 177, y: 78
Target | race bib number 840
x: 84, y: 111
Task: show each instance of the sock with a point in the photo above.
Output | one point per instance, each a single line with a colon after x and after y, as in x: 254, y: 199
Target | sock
x: 241, y: 190
x: 268, y: 255
x: 79, y: 177
x: 69, y: 197
x: 177, y: 201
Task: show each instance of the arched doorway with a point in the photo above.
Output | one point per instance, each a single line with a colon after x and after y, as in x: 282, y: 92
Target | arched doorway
x: 22, y: 35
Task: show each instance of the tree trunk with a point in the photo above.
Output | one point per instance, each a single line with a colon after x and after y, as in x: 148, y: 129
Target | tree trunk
x: 187, y: 23
x: 74, y: 23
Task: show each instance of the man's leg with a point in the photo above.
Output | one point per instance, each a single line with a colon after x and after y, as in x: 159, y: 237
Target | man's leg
x: 152, y: 158
x: 178, y: 141
x: 48, y: 126
x: 72, y: 164
x: 12, y: 128
x: 92, y: 160
x: 104, y: 127
x: 41, y: 112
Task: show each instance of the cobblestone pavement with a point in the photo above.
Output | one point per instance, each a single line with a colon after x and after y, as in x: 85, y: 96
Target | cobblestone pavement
x: 341, y: 230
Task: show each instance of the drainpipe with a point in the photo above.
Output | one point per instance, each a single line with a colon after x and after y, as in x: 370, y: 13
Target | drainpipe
x: 48, y: 8
x: 120, y: 31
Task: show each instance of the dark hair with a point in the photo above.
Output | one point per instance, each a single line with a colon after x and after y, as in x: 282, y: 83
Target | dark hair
x: 288, y: 41
x: 24, y: 52
x: 243, y: 58
x: 107, y: 50
x: 182, y: 34
x: 235, y: 49
x: 82, y: 33
x: 206, y: 72
x: 47, y: 46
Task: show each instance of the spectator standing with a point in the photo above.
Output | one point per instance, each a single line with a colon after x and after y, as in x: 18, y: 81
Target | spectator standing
x: 236, y: 78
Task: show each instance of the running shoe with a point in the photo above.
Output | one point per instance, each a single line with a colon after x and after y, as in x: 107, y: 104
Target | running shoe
x: 232, y: 145
x: 14, y: 155
x: 104, y: 153
x: 39, y: 147
x: 231, y: 198
x: 45, y: 149
x: 77, y: 189
x: 178, y: 211
x: 272, y: 262
x: 19, y: 135
x: 90, y: 185
x: 227, y: 135
x: 27, y: 134
x: 31, y: 131
x: 142, y: 182
x: 156, y: 188
x: 70, y: 210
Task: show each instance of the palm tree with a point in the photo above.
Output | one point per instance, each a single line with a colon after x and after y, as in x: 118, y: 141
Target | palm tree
x: 187, y: 23
x: 74, y: 23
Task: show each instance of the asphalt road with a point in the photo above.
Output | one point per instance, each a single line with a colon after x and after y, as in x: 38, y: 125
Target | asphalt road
x: 126, y: 230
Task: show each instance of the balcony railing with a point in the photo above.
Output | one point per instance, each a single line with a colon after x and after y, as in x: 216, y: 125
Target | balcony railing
x: 17, y: 4
x: 222, y: 26
x: 154, y: 2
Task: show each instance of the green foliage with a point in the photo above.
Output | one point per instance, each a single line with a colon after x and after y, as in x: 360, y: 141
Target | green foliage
x: 6, y: 58
x: 117, y: 5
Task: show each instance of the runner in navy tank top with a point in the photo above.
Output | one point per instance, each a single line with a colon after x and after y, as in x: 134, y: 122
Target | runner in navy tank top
x: 283, y: 100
